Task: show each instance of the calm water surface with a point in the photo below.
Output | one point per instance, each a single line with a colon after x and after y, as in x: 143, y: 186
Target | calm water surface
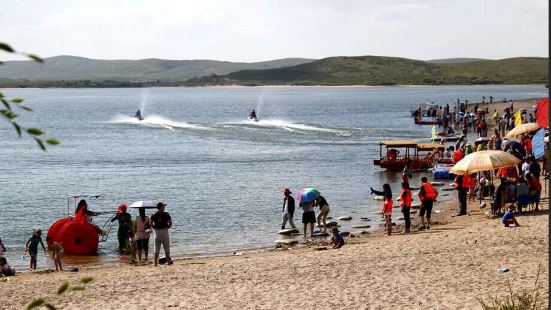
x: 220, y: 174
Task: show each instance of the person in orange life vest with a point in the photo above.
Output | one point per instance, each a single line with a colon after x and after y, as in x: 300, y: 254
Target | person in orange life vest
x: 83, y: 214
x: 457, y: 155
x: 405, y: 206
x: 427, y: 195
x: 461, y: 184
x: 386, y: 209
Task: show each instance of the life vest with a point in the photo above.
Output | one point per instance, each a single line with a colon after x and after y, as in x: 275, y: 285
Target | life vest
x: 472, y: 182
x: 81, y: 215
x: 465, y: 181
x: 387, y: 206
x: 430, y: 191
x: 457, y: 155
x: 407, y: 201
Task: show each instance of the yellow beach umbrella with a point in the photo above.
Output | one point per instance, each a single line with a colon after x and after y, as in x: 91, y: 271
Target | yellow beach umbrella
x: 522, y: 128
x: 484, y: 161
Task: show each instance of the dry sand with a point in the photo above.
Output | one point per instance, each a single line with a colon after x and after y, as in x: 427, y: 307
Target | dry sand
x: 450, y: 266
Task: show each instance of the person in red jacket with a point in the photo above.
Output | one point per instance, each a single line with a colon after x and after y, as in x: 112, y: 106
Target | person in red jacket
x: 527, y: 144
x: 427, y: 195
x: 462, y: 184
x: 386, y: 209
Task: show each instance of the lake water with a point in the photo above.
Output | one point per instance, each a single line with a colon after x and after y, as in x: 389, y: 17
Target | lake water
x: 220, y: 174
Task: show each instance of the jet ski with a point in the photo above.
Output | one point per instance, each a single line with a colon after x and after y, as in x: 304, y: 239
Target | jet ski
x: 252, y: 116
x: 139, y: 115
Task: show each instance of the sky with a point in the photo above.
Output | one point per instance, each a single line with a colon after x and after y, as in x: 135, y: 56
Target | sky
x: 257, y: 30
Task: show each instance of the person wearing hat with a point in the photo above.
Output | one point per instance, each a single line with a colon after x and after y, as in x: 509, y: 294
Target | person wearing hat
x: 288, y: 208
x: 125, y: 227
x: 161, y: 223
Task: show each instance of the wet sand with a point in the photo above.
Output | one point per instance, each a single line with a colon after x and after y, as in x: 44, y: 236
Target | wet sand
x: 450, y: 266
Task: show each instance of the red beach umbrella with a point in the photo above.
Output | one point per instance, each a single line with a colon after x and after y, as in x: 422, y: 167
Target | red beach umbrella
x: 543, y: 112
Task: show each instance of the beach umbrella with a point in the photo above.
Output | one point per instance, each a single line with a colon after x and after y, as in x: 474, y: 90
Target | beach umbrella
x: 147, y: 204
x: 521, y: 129
x: 307, y: 194
x: 484, y: 161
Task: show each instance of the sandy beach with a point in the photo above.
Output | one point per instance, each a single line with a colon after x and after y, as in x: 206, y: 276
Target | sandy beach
x: 451, y: 266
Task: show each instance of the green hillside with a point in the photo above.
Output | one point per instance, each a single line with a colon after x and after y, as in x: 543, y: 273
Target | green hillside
x: 375, y: 70
x: 71, y: 68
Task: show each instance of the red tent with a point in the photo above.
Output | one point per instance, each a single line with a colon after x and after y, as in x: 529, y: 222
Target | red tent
x: 542, y: 115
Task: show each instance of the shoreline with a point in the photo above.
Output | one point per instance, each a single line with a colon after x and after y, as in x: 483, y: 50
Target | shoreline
x: 474, y: 246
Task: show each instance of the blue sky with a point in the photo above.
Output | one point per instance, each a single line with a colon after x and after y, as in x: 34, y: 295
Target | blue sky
x: 256, y: 30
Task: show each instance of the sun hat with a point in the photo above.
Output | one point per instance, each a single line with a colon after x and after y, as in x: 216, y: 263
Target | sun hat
x: 286, y: 190
x: 122, y: 207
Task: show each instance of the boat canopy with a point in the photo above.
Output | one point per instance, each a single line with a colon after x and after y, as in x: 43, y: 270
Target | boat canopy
x: 398, y: 143
x: 429, y: 146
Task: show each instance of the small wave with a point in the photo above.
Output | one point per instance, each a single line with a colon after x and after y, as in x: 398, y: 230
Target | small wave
x: 155, y: 121
x: 294, y: 127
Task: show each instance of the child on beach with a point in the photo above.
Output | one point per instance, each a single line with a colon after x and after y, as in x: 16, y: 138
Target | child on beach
x: 386, y: 209
x: 5, y: 269
x: 337, y: 239
x: 31, y: 247
x: 55, y: 249
x: 508, y: 218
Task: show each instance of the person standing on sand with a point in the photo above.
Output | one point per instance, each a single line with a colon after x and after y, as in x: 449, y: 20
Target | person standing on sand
x: 55, y: 250
x: 324, y: 211
x: 386, y: 209
x: 142, y: 227
x: 161, y: 223
x: 308, y: 216
x: 462, y: 184
x: 125, y: 227
x: 31, y: 247
x: 427, y: 195
x: 405, y: 206
x: 288, y: 208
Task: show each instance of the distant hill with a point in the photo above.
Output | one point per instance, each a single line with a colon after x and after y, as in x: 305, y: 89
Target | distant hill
x: 376, y: 70
x: 69, y: 71
x: 454, y: 60
x: 79, y: 68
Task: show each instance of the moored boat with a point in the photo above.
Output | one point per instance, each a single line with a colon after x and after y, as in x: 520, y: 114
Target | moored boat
x: 416, y: 153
